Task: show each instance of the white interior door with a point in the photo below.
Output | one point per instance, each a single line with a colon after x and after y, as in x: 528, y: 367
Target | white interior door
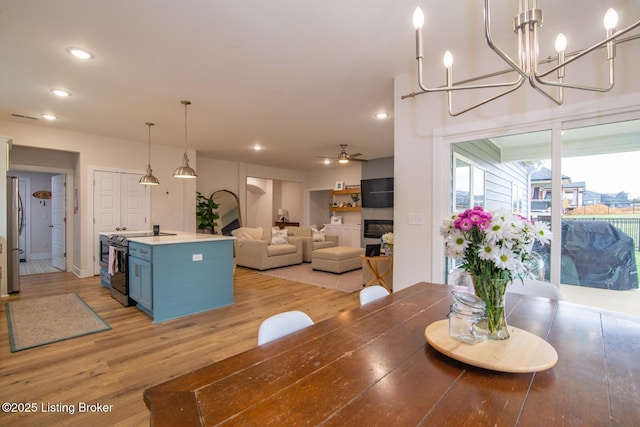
x: 58, y: 229
x: 106, y: 201
x: 133, y: 200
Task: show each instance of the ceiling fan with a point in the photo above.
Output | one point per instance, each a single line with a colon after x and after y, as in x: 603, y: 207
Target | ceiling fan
x: 345, y: 157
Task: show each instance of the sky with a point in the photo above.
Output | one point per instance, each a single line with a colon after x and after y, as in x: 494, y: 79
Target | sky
x: 606, y: 173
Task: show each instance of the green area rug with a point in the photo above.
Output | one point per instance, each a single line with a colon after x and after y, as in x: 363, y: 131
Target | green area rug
x: 38, y: 321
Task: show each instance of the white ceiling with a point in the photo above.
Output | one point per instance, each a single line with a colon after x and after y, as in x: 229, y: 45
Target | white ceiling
x: 298, y: 77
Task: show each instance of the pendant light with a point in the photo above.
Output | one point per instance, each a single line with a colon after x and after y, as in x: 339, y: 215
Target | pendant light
x: 149, y: 179
x: 185, y: 171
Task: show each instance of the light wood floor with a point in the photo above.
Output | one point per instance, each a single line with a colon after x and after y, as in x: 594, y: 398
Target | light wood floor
x: 114, y: 367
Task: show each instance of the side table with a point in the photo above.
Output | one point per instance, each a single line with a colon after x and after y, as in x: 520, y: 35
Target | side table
x: 378, y: 276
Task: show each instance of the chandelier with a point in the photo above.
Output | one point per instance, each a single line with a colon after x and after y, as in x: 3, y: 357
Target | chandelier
x: 526, y: 26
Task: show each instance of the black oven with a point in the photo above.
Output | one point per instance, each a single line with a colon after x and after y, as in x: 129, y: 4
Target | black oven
x: 114, y: 257
x: 104, y: 251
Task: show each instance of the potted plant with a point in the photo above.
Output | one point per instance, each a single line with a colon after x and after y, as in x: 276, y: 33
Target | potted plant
x: 206, y: 213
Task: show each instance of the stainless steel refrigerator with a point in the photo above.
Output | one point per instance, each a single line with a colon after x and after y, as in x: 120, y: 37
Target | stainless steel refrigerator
x: 14, y: 223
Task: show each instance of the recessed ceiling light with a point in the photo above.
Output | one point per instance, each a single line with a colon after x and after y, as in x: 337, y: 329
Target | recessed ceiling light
x: 257, y: 147
x: 327, y: 161
x: 60, y: 92
x: 48, y: 116
x: 382, y: 115
x: 80, y: 53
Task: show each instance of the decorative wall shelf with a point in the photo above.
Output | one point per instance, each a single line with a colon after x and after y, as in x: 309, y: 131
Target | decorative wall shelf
x: 347, y: 191
x: 346, y: 209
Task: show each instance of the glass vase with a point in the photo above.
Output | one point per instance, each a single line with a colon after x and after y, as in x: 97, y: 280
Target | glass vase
x: 492, y: 291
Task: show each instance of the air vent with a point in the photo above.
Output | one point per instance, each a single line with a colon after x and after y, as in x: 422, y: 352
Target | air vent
x: 24, y: 116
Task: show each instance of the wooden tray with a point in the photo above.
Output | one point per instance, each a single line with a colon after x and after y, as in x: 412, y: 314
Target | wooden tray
x: 522, y: 352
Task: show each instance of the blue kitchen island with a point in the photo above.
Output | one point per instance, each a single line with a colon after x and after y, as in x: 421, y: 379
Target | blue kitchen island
x: 177, y: 275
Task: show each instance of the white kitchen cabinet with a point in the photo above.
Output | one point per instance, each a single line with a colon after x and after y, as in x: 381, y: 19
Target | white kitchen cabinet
x: 348, y: 234
x: 351, y: 235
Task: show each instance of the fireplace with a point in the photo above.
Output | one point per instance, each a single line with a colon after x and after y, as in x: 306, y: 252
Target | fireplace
x: 375, y: 228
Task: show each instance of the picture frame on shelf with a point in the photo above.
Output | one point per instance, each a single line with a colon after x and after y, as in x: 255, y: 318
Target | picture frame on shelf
x: 339, y: 185
x: 336, y: 220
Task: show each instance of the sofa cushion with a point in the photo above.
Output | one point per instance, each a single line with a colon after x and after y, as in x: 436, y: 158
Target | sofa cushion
x: 299, y: 231
x: 323, y: 245
x: 278, y: 236
x: 318, y: 235
x: 275, y: 250
x: 248, y: 233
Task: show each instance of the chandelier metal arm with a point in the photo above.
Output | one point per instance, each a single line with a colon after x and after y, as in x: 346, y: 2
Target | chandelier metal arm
x: 453, y: 87
x: 581, y: 53
x: 487, y: 100
x: 501, y: 53
x: 526, y: 25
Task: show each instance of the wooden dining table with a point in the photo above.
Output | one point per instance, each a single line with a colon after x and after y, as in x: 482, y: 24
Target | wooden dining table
x: 373, y: 366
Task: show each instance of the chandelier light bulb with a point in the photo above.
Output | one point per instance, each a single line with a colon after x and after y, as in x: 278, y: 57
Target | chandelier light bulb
x: 561, y: 43
x: 610, y: 19
x: 418, y: 18
x: 447, y: 60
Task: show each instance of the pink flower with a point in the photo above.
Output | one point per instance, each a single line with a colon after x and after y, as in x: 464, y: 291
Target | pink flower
x: 484, y: 224
x: 466, y: 224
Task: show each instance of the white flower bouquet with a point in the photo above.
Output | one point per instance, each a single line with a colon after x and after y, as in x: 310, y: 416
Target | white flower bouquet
x: 387, y: 238
x: 494, y: 247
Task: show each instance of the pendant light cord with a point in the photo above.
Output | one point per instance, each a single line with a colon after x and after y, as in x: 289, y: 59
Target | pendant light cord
x: 186, y: 103
x: 149, y: 124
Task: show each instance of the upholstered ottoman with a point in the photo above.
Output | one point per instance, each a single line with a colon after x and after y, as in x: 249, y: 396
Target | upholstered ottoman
x: 337, y: 259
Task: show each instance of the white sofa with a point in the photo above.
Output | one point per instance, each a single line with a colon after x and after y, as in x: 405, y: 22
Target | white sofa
x: 254, y: 248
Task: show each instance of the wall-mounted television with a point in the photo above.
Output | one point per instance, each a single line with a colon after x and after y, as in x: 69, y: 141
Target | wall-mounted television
x: 377, y: 192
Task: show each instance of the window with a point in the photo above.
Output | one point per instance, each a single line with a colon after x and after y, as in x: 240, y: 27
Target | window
x: 468, y: 184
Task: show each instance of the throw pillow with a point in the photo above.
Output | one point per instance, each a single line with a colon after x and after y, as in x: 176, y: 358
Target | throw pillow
x: 318, y: 235
x: 279, y: 237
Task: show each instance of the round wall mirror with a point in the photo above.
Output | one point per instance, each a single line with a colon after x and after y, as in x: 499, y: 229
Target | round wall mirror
x: 229, y: 211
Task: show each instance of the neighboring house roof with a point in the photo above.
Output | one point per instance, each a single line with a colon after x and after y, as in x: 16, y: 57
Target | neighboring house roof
x: 580, y: 184
x: 591, y: 195
x: 544, y: 174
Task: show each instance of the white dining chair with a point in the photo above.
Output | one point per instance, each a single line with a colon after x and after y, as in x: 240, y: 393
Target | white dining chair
x: 372, y: 293
x: 536, y: 288
x: 282, y: 324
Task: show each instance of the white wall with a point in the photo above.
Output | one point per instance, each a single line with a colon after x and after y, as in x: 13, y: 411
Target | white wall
x: 326, y: 180
x: 423, y: 131
x: 214, y: 175
x: 291, y: 200
x: 172, y: 202
x: 259, y: 202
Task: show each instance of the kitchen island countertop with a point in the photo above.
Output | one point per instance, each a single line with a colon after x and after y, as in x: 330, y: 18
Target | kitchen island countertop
x: 179, y: 237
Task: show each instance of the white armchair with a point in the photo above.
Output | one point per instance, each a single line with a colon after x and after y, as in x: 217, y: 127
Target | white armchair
x: 305, y: 234
x: 253, y: 249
